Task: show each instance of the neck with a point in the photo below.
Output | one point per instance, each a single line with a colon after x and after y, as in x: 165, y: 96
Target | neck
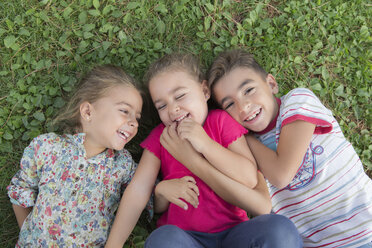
x: 92, y: 150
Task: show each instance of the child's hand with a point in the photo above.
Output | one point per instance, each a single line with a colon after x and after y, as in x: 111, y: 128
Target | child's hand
x: 180, y: 149
x: 192, y: 131
x: 174, y: 190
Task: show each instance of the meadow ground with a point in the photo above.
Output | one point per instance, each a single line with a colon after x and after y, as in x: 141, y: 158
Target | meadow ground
x: 45, y: 46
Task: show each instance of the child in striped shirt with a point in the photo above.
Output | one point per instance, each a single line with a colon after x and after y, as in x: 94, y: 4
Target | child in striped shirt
x: 315, y: 176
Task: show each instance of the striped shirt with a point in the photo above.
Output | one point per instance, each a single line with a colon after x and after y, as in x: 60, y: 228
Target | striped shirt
x: 330, y: 198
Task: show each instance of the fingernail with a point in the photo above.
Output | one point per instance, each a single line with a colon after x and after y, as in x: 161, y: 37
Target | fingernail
x: 185, y: 207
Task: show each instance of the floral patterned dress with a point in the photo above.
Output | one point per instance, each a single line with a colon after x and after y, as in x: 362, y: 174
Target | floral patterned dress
x: 73, y: 198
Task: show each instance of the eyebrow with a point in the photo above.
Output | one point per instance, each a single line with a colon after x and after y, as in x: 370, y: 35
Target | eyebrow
x: 245, y: 82
x: 127, y: 104
x: 173, y: 91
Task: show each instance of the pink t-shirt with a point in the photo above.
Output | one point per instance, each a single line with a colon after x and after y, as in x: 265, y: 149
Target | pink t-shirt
x: 213, y: 213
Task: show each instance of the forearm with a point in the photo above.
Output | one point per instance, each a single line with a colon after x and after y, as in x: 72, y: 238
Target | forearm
x: 129, y: 211
x: 232, y: 164
x: 256, y: 201
x: 160, y: 203
x: 269, y: 163
x: 21, y: 213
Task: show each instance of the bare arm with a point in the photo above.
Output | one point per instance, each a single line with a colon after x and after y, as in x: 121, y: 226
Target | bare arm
x: 281, y: 166
x: 134, y: 199
x: 241, y: 163
x: 21, y: 213
x: 256, y: 201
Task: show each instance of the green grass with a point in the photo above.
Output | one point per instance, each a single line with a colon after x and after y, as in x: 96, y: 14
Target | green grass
x: 46, y: 45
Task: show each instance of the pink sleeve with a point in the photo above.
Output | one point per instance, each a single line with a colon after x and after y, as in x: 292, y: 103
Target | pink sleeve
x: 230, y: 129
x: 152, y: 142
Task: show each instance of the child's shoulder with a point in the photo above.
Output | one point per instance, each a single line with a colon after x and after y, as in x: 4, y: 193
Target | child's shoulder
x: 217, y: 113
x: 302, y: 92
x: 49, y: 139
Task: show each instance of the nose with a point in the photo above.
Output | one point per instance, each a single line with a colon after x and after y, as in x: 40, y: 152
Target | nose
x: 174, y: 108
x: 133, y: 122
x: 242, y: 106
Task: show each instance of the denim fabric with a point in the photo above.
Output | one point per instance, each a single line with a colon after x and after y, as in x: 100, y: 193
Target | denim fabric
x: 266, y: 231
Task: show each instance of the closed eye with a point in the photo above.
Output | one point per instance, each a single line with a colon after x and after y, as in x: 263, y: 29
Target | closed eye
x: 247, y: 91
x: 124, y: 111
x: 161, y: 107
x: 228, y: 105
x: 180, y: 96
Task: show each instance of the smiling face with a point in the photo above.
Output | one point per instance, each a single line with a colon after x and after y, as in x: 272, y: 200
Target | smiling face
x: 111, y: 121
x: 248, y: 97
x: 177, y: 95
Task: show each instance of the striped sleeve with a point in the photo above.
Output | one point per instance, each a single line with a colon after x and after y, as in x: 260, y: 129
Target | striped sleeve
x: 302, y: 104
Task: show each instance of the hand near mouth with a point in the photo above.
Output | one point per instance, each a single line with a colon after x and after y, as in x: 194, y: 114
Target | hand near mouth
x: 192, y: 131
x: 179, y: 148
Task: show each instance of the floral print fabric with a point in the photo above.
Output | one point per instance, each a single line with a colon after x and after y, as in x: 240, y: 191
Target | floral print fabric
x: 73, y: 198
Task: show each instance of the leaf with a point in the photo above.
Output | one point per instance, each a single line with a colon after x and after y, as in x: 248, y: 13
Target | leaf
x: 94, y: 12
x: 297, y: 60
x: 96, y: 4
x: 133, y: 5
x: 106, y: 44
x: 161, y: 8
x: 9, y: 41
x: 160, y: 27
x: 7, y: 136
x: 83, y: 17
x: 39, y: 116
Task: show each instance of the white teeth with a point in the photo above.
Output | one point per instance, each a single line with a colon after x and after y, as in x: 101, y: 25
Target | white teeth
x: 125, y: 134
x: 253, y: 115
x: 181, y: 118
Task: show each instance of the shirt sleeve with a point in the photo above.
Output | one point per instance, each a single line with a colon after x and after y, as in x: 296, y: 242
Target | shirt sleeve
x: 23, y: 188
x: 152, y: 142
x: 302, y: 104
x: 230, y: 129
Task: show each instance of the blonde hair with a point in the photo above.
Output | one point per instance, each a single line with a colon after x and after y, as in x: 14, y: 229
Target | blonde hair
x: 91, y: 88
x: 175, y: 62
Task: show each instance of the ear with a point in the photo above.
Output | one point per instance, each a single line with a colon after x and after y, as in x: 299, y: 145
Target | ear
x: 270, y: 80
x: 205, y: 88
x: 86, y: 111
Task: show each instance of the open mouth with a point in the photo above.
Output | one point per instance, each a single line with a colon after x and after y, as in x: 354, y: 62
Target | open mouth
x: 123, y: 134
x: 179, y: 119
x: 253, y: 115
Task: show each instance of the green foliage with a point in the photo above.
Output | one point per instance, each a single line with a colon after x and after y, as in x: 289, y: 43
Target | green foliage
x: 45, y: 46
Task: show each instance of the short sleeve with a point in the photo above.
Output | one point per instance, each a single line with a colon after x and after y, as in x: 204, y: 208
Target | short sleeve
x: 152, y: 142
x: 302, y: 104
x: 230, y: 129
x: 23, y: 186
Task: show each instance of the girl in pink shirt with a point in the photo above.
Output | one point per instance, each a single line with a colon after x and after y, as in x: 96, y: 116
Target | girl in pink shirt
x: 210, y: 178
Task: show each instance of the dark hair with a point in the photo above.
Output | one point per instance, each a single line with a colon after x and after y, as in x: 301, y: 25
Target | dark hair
x: 175, y: 62
x: 229, y: 60
x: 91, y: 88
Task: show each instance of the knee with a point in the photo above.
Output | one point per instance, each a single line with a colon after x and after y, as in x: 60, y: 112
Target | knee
x: 282, y: 230
x: 165, y: 236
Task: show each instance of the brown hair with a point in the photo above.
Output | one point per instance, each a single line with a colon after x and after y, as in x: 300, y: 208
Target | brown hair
x: 91, y: 88
x: 229, y: 60
x: 174, y: 62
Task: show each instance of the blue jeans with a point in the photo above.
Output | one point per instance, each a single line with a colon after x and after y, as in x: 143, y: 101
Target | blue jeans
x: 270, y: 230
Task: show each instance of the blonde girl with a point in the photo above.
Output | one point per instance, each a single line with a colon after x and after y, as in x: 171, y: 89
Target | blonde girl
x: 69, y: 186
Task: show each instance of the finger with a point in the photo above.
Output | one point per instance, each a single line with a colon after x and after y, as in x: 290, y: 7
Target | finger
x: 172, y: 131
x: 180, y: 203
x: 192, y: 198
x: 188, y: 179
x: 194, y: 187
